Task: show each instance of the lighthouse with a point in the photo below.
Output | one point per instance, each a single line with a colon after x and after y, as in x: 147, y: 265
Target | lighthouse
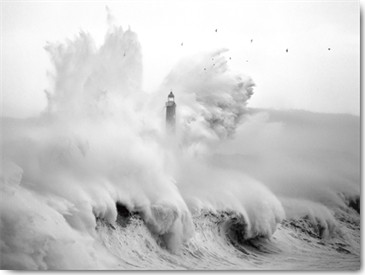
x: 170, y: 113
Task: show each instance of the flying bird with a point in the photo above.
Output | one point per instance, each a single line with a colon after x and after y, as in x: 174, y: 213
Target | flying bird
x: 329, y: 49
x: 251, y: 40
x: 287, y: 50
x: 182, y: 44
x: 216, y: 30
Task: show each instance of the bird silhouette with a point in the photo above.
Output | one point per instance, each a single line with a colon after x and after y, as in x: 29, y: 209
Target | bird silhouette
x: 216, y: 30
x: 182, y: 44
x: 251, y: 40
x: 287, y: 50
x: 329, y: 49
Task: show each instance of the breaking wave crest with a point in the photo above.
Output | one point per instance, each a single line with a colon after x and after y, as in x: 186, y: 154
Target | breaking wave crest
x: 221, y: 242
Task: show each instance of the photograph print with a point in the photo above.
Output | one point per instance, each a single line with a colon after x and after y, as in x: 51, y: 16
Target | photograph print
x: 180, y: 135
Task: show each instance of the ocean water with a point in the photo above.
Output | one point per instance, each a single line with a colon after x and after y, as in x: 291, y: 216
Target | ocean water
x: 95, y: 182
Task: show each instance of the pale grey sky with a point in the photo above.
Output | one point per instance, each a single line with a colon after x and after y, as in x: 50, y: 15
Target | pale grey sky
x: 308, y: 77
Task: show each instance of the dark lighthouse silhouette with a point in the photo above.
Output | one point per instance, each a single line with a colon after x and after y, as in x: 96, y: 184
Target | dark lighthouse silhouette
x: 170, y: 113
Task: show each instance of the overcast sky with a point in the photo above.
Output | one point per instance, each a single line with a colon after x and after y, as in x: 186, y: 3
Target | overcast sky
x: 308, y: 77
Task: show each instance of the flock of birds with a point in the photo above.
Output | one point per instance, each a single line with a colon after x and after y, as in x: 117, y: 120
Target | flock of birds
x: 216, y: 30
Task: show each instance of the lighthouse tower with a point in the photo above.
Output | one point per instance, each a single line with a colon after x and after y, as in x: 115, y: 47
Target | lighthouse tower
x: 170, y: 113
